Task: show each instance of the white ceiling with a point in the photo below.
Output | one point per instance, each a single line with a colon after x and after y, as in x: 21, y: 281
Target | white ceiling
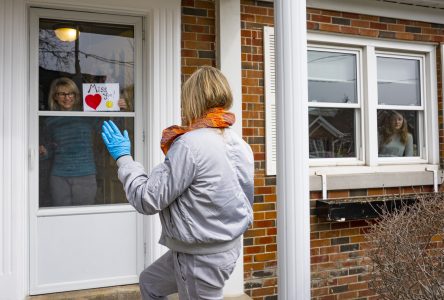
x: 423, y: 3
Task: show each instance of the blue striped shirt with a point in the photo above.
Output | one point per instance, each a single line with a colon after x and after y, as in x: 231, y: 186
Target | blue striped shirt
x: 72, y: 145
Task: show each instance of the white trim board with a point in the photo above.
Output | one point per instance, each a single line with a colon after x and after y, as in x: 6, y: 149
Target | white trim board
x: 381, y: 9
x: 372, y: 180
x: 228, y: 54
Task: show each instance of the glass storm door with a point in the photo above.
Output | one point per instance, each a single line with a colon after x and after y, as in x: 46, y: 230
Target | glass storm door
x: 84, y: 69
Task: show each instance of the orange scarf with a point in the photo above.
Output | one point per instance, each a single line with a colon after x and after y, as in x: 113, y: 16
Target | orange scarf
x: 214, y: 118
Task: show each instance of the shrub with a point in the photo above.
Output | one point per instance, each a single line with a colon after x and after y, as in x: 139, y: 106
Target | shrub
x: 406, y: 249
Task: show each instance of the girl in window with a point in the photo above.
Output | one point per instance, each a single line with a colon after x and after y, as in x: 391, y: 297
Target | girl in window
x: 395, y: 140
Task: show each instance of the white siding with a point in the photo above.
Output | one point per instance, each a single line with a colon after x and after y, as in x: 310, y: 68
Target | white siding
x: 13, y: 154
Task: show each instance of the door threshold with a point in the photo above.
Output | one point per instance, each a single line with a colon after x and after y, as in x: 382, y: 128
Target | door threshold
x: 123, y: 292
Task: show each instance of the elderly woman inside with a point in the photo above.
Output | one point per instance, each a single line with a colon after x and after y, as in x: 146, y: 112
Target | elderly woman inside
x: 394, y: 138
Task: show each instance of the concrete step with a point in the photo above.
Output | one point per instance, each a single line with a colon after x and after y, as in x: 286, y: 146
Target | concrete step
x: 124, y: 292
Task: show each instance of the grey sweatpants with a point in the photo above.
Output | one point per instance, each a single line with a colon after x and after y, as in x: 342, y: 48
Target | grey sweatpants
x: 194, y: 277
x: 76, y: 190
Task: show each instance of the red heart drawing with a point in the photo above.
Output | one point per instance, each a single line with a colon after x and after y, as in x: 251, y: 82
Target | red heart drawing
x: 93, y: 101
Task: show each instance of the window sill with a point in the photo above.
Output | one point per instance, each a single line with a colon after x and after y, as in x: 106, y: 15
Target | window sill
x: 363, y: 177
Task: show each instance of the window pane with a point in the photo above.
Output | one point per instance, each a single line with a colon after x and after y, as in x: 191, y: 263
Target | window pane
x: 101, y: 53
x: 332, y: 132
x: 75, y: 167
x: 398, y: 133
x: 332, y: 77
x: 398, y: 81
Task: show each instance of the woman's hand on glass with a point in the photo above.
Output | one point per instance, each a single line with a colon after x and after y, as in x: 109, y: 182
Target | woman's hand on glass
x: 122, y: 104
x: 118, y: 144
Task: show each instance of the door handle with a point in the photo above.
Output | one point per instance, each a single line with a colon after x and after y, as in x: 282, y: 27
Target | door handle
x: 31, y: 157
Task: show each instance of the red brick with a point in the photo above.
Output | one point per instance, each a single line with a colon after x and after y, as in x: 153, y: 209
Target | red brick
x: 329, y: 27
x: 396, y: 27
x: 319, y: 292
x: 204, y: 4
x: 189, y: 20
x: 262, y: 291
x: 270, y: 198
x: 198, y: 61
x: 319, y: 259
x: 349, y: 30
x: 369, y: 18
x: 350, y: 15
x: 272, y: 231
x: 380, y: 26
x: 271, y: 248
x: 254, y: 249
x: 205, y: 38
x: 263, y: 224
x: 404, y: 35
x: 264, y: 257
x: 189, y: 53
x: 265, y: 240
x: 265, y: 20
x: 360, y: 23
x: 320, y: 243
x: 255, y: 10
x: 347, y: 280
x: 323, y: 19
x: 347, y: 295
x: 205, y: 21
x: 368, y: 32
x: 254, y: 266
x: 254, y: 232
x: 329, y: 250
x: 198, y: 45
x: 270, y: 215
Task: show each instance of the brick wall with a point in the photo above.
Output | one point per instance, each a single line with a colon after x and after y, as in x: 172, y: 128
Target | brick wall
x: 338, y: 261
x: 260, y: 241
x: 198, y: 35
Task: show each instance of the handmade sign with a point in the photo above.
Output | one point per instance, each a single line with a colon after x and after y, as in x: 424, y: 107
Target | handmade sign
x: 100, y: 97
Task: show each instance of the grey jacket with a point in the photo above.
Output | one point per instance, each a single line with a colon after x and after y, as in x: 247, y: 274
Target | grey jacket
x: 203, y: 191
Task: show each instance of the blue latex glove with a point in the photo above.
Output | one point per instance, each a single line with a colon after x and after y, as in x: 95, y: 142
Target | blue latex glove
x: 117, y: 144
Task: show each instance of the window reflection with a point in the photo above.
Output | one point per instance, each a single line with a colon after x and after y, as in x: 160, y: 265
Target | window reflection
x: 90, y: 71
x: 398, y: 81
x: 332, y: 77
x: 75, y: 167
x: 398, y: 133
x: 331, y: 132
x: 102, y: 53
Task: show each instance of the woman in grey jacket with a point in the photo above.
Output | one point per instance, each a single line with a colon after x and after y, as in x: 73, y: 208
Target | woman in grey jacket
x: 203, y: 192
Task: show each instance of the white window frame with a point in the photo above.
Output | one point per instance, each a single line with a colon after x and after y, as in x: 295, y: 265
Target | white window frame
x: 371, y: 47
x: 422, y: 138
x: 359, y: 143
x: 368, y: 162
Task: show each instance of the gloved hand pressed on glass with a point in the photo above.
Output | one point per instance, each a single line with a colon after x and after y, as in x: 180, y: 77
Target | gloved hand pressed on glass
x: 117, y: 144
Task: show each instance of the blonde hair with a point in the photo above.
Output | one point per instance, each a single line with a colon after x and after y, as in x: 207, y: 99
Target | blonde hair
x: 63, y: 81
x: 206, y: 88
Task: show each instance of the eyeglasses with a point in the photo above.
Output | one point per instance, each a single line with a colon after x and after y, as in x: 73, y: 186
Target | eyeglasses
x: 66, y: 94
